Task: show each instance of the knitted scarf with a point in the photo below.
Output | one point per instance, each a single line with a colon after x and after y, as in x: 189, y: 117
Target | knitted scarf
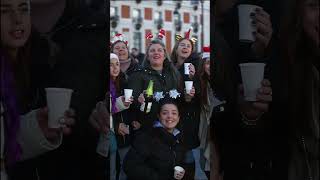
x: 113, y: 93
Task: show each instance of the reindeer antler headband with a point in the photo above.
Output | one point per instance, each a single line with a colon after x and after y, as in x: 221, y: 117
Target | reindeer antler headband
x: 187, y: 36
x: 160, y: 36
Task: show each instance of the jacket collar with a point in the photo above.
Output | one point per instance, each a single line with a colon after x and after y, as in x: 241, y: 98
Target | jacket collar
x: 157, y: 124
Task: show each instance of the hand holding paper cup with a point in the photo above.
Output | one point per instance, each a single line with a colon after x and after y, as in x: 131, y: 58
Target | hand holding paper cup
x: 58, y: 101
x: 178, y: 172
x: 127, y: 94
x: 188, y: 85
x: 186, y: 68
x: 246, y: 28
x: 252, y: 75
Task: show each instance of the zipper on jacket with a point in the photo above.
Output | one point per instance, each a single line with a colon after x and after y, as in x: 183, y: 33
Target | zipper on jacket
x: 174, y: 156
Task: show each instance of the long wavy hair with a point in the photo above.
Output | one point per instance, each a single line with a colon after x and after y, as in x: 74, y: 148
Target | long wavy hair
x: 204, y: 79
x: 15, y: 89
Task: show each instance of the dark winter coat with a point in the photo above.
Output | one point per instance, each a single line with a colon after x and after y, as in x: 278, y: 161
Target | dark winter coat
x: 153, y: 155
x: 138, y: 81
x: 190, y: 113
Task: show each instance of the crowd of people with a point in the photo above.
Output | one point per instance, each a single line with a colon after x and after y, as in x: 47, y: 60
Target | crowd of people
x: 129, y: 119
x: 187, y: 117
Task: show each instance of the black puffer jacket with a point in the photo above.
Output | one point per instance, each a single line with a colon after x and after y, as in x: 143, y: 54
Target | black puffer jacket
x: 153, y: 155
x: 190, y: 113
x: 164, y: 82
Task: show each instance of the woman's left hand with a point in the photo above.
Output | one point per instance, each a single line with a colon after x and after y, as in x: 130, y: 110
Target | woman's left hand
x: 189, y: 96
x: 127, y: 104
x: 264, y: 97
x: 52, y: 134
x: 261, y: 19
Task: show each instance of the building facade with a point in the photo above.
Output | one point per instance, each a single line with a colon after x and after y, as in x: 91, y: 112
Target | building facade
x: 136, y: 18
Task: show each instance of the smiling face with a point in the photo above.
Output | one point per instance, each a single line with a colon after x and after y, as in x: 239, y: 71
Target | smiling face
x: 169, y: 116
x: 121, y: 49
x: 15, y: 23
x: 184, y: 49
x: 114, y: 68
x: 156, y: 55
x: 311, y: 20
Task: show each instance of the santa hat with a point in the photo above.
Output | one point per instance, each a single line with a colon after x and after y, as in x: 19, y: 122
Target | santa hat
x: 206, y: 52
x: 118, y: 37
x: 114, y: 56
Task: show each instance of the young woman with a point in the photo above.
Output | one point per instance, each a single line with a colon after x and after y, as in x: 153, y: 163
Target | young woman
x: 24, y: 121
x: 300, y: 48
x: 156, y: 152
x: 121, y: 125
x: 128, y: 63
x: 208, y: 102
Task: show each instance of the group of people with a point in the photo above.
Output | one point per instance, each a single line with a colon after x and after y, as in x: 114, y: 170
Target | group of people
x: 209, y: 131
x: 140, y: 116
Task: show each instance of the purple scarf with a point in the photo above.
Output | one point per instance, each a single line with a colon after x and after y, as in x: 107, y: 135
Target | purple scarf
x: 11, y: 115
x: 113, y: 93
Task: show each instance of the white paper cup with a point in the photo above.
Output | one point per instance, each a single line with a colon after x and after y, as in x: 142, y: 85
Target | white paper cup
x: 177, y: 169
x: 252, y: 75
x: 245, y: 22
x: 188, y: 85
x: 127, y: 94
x: 58, y: 101
x: 186, y: 68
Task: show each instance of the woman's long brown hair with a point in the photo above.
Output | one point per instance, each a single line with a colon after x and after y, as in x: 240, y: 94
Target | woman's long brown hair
x: 204, y: 79
x: 21, y: 70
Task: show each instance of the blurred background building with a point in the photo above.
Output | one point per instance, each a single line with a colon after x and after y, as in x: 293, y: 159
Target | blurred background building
x: 135, y: 18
